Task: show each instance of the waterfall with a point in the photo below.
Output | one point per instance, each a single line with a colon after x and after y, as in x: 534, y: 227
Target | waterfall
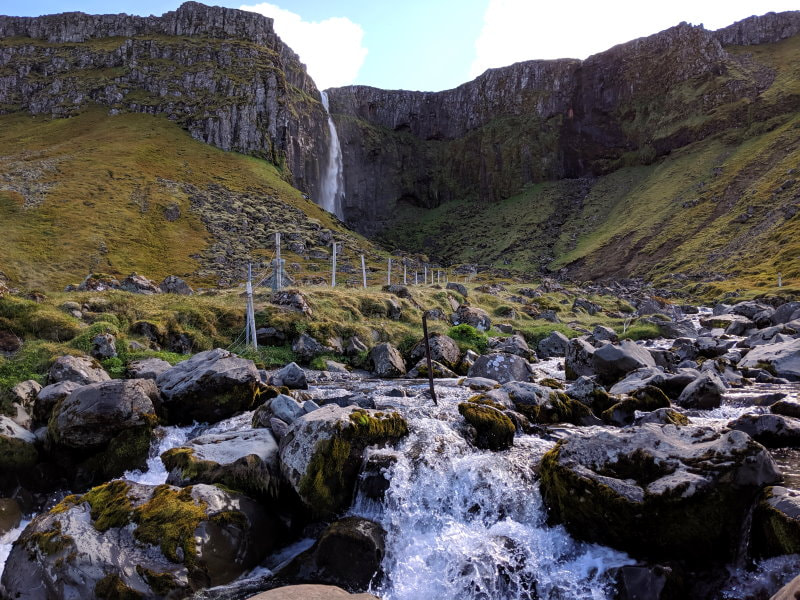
x: 332, y: 184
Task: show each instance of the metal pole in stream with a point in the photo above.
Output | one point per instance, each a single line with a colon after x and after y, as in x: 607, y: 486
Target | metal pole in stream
x: 428, y: 355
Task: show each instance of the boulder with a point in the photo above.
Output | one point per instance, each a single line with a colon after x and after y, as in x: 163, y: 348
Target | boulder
x: 98, y: 282
x: 514, y: 344
x: 291, y: 376
x: 638, y: 379
x: 771, y: 430
x: 604, y: 334
x: 386, y: 361
x: 493, y: 429
x: 9, y: 342
x: 348, y: 553
x: 311, y: 592
x: 542, y: 404
x: 704, y: 393
x: 104, y: 346
x: 663, y: 416
x: 285, y: 408
x: 502, y: 367
x: 584, y: 305
x: 612, y: 361
x: 785, y: 313
x: 245, y: 461
x: 579, y: 358
x: 147, y: 368
x: 645, y: 399
x: 658, y: 492
x: 49, y: 397
x: 587, y: 391
x: 270, y: 336
x: 355, y: 347
x: 173, y: 284
x: 787, y: 407
x: 725, y: 321
x: 25, y: 393
x: 554, y: 345
x: 458, y: 288
x: 439, y: 370
x: 470, y: 315
x: 210, y: 386
x: 782, y: 359
x: 322, y: 452
x: 307, y: 348
x: 291, y: 299
x: 479, y: 384
x: 139, y: 284
x: 444, y: 350
x: 80, y: 369
x: 776, y: 523
x: 94, y: 414
x: 677, y: 329
x: 127, y: 540
x: 17, y: 449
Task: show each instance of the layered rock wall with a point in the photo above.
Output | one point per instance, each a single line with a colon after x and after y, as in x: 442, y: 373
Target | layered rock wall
x: 222, y: 74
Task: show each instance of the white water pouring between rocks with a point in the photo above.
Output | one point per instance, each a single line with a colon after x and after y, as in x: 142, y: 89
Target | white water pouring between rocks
x: 332, y: 184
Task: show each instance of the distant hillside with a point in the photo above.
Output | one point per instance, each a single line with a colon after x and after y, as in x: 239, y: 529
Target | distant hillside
x: 134, y: 192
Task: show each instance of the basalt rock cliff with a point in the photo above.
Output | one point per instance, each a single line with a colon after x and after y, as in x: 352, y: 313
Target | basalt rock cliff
x: 548, y: 120
x: 222, y: 74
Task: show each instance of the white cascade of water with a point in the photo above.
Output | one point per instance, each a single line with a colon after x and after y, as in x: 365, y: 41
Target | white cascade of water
x: 465, y: 524
x: 332, y: 185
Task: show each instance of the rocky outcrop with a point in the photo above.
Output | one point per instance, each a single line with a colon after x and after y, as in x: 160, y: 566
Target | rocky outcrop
x: 233, y: 83
x: 657, y: 491
x: 539, y: 120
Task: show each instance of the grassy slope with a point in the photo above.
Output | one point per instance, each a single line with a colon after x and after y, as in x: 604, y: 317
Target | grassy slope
x: 104, y: 206
x: 680, y: 214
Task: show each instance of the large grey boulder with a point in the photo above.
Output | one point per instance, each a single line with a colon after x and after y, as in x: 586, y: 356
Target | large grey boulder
x: 245, y: 461
x: 612, y: 362
x: 147, y: 368
x: 774, y: 431
x: 438, y: 369
x: 291, y: 376
x: 579, y: 358
x: 554, y: 345
x: 307, y: 348
x: 782, y: 359
x: 638, y: 379
x: 704, y: 393
x: 502, y: 367
x: 457, y: 287
x: 137, y: 541
x: 444, y: 350
x: 659, y: 492
x: 386, y: 361
x: 683, y: 328
x: 513, y: 344
x: 80, y: 369
x: 322, y: 452
x: 104, y: 346
x: 25, y: 393
x: 541, y: 404
x: 210, y: 386
x: 470, y: 315
x: 94, y: 414
x: 785, y: 313
x: 139, y: 284
x: 173, y: 284
x: 49, y: 396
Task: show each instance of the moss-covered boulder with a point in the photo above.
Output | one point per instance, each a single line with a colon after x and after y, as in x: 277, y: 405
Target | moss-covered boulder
x: 657, y: 491
x: 444, y: 350
x: 137, y: 541
x: 17, y: 450
x: 543, y: 404
x: 493, y: 429
x: 246, y: 461
x: 776, y: 523
x: 211, y: 386
x: 322, y: 452
x: 646, y: 399
x: 439, y: 370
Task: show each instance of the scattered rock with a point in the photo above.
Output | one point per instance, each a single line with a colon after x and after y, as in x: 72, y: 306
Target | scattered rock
x: 458, y: 288
x: 137, y: 284
x: 291, y: 299
x: 147, y: 368
x: 80, y: 369
x: 612, y: 361
x: 444, y: 350
x: 439, y: 370
x: 579, y: 358
x: 103, y: 346
x: 469, y: 315
x: 386, y: 361
x: 787, y: 407
x: 307, y: 348
x: 782, y: 359
x: 291, y: 376
x: 17, y: 449
x: 514, y: 344
x: 49, y: 397
x: 704, y: 393
x: 493, y: 429
x: 582, y: 304
x: 502, y: 367
x: 173, y: 284
x: 776, y: 523
x: 774, y: 431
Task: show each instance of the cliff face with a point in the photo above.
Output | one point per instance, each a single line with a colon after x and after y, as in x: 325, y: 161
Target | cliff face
x: 545, y: 120
x: 223, y: 74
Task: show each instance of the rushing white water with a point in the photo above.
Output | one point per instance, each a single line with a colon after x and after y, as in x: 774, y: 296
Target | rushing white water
x: 332, y: 184
x: 465, y: 524
x: 164, y: 439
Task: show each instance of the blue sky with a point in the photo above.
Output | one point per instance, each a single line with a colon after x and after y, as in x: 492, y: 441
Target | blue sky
x: 439, y: 44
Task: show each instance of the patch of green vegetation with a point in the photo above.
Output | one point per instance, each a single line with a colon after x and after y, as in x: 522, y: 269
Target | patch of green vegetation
x: 162, y: 584
x: 110, y: 505
x: 469, y: 338
x: 643, y: 331
x: 51, y: 541
x: 495, y: 431
x: 168, y: 520
x: 111, y: 587
x: 534, y: 334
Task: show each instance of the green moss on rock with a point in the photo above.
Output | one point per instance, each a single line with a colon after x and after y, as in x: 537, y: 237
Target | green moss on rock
x: 774, y: 531
x: 110, y: 505
x: 16, y: 454
x: 111, y: 587
x: 162, y: 584
x: 51, y: 541
x: 495, y: 431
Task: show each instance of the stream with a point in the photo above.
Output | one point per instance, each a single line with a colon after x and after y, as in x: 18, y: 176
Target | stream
x: 469, y: 524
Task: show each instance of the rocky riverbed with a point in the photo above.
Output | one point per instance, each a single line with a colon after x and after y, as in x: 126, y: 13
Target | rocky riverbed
x: 612, y: 469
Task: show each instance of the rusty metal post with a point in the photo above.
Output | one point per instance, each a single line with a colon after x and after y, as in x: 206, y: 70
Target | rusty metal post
x: 428, y: 355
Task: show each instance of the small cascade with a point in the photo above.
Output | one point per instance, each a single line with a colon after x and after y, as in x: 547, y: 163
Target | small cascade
x: 331, y: 194
x: 465, y: 524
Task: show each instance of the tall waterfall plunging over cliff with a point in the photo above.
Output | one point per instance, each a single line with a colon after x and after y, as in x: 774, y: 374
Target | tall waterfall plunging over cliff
x: 332, y: 185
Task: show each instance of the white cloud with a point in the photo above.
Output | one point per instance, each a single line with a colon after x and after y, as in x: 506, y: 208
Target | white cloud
x: 331, y: 49
x: 517, y: 30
